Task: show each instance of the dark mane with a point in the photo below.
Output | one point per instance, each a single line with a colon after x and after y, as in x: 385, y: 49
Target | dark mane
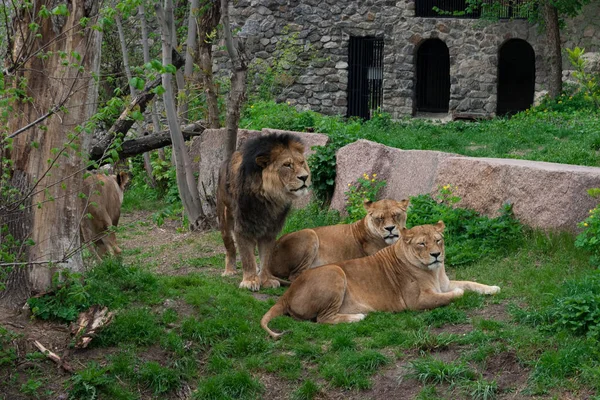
x: 262, y: 146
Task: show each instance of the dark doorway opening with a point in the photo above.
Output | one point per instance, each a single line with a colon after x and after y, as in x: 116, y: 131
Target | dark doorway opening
x: 365, y: 76
x: 433, y: 76
x: 516, y: 77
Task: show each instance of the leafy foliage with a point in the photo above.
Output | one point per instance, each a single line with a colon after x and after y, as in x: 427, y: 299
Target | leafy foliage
x: 469, y: 236
x: 589, y: 238
x: 366, y: 189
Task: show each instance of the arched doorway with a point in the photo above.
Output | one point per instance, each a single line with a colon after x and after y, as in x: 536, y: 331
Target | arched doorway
x: 516, y: 77
x: 433, y: 76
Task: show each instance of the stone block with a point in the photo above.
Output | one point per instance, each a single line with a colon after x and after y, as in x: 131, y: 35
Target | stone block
x: 544, y: 195
x: 407, y: 172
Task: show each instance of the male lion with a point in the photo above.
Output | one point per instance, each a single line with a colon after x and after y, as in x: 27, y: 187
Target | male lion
x: 255, y: 193
x: 101, y: 210
x: 408, y: 275
x: 309, y: 248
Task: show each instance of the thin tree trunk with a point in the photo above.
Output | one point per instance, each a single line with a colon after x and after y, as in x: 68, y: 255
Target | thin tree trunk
x: 237, y: 93
x: 189, y: 61
x: 209, y: 21
x: 53, y: 186
x: 554, y: 56
x: 185, y: 178
x: 146, y: 50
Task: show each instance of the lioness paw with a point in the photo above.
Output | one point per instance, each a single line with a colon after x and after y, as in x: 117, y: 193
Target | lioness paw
x: 458, y: 292
x: 270, y: 283
x: 229, y: 272
x: 356, y: 317
x: 250, y: 284
x: 493, y: 290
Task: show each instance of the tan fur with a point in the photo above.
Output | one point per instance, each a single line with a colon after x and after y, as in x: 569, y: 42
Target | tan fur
x: 252, y: 208
x: 408, y: 275
x: 309, y: 248
x: 101, y: 211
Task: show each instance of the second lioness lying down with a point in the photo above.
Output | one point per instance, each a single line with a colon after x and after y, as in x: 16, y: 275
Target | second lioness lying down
x: 309, y: 248
x: 408, y: 275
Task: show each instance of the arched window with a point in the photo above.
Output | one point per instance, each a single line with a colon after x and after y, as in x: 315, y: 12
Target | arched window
x: 516, y: 77
x: 433, y: 76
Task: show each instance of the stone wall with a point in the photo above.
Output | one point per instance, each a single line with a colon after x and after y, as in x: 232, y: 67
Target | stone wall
x: 326, y: 26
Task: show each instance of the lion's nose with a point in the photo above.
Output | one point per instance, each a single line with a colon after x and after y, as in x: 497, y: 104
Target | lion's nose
x: 303, y: 178
x: 390, y: 228
x: 435, y: 254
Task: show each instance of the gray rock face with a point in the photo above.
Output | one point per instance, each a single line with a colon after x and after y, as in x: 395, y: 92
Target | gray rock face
x: 208, y: 151
x: 544, y: 195
x: 407, y: 172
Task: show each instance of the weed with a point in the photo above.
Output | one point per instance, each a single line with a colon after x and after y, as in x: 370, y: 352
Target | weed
x: 137, y: 326
x: 366, y: 189
x: 158, y: 378
x: 232, y: 384
x: 482, y: 389
x: 432, y: 370
x: 307, y: 391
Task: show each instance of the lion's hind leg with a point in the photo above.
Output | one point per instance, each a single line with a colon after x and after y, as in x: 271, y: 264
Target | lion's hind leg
x: 226, y: 226
x: 474, y: 287
x: 294, y: 253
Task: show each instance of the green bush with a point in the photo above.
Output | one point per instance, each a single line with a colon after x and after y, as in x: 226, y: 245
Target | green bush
x: 469, y: 236
x: 366, y: 189
x: 589, y: 238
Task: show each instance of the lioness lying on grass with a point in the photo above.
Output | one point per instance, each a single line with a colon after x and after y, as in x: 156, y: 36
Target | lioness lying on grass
x: 309, y: 248
x: 408, y: 275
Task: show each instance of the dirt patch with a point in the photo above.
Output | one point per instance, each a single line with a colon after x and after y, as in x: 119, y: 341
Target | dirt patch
x: 496, y: 312
x: 458, y: 329
x: 510, y: 375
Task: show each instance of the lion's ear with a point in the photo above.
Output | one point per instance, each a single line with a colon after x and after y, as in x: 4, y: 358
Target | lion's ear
x: 403, y: 204
x: 439, y: 227
x: 367, y: 204
x: 406, y: 235
x: 262, y: 161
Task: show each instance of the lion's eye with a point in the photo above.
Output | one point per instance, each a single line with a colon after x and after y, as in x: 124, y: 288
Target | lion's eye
x: 438, y: 241
x: 422, y: 244
x: 288, y: 165
x: 379, y: 219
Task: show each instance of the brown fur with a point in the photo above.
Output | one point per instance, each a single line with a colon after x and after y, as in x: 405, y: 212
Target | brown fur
x: 309, y: 248
x: 255, y: 193
x: 101, y: 211
x: 408, y: 275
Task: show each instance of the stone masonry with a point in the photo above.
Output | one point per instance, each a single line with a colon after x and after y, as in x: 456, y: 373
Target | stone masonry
x: 325, y: 26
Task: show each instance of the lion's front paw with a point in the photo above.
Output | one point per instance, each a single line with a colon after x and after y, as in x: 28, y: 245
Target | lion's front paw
x: 252, y: 283
x: 270, y: 283
x: 493, y: 290
x: 229, y: 272
x: 458, y: 292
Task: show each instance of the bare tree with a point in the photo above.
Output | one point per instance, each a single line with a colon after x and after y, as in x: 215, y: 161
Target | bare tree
x: 237, y: 93
x: 133, y: 92
x: 47, y: 167
x: 209, y: 17
x: 185, y: 178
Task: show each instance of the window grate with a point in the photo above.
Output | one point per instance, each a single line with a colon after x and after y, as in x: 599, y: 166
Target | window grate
x: 365, y: 76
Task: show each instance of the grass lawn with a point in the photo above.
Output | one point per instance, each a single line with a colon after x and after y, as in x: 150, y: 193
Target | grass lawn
x: 183, y: 331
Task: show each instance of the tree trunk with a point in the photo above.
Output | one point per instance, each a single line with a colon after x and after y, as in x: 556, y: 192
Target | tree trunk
x: 554, y: 55
x: 133, y: 92
x: 146, y: 49
x: 237, y: 94
x: 185, y: 178
x: 209, y: 20
x: 48, y: 156
x: 189, y: 61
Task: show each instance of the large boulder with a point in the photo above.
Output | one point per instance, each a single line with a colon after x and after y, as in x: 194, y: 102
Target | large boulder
x: 208, y: 153
x: 407, y: 172
x: 544, y: 195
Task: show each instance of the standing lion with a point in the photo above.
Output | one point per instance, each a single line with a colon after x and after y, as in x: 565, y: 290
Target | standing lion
x: 256, y: 188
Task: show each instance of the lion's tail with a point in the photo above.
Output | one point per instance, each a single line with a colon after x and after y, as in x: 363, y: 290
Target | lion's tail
x: 275, y: 311
x: 282, y: 282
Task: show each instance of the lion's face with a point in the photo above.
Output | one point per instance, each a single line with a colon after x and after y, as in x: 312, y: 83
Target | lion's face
x: 424, y: 245
x: 286, y: 171
x: 385, y: 218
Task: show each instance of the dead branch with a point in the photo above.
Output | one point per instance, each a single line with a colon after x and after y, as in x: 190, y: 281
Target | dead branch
x: 53, y: 356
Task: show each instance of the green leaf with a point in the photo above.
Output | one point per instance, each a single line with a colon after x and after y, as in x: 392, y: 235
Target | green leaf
x: 137, y: 83
x: 170, y: 68
x: 61, y: 10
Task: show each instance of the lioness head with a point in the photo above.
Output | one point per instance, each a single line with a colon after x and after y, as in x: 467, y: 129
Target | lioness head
x: 424, y: 245
x: 385, y: 218
x: 284, y: 168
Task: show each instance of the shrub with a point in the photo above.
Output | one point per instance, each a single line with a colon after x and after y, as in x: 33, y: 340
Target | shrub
x: 366, y: 189
x: 469, y: 236
x: 589, y: 238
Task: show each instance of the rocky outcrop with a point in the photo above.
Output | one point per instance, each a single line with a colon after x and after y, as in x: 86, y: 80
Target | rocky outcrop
x: 544, y: 195
x: 407, y: 172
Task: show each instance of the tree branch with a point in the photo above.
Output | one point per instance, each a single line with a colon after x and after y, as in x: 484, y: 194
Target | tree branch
x: 133, y: 147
